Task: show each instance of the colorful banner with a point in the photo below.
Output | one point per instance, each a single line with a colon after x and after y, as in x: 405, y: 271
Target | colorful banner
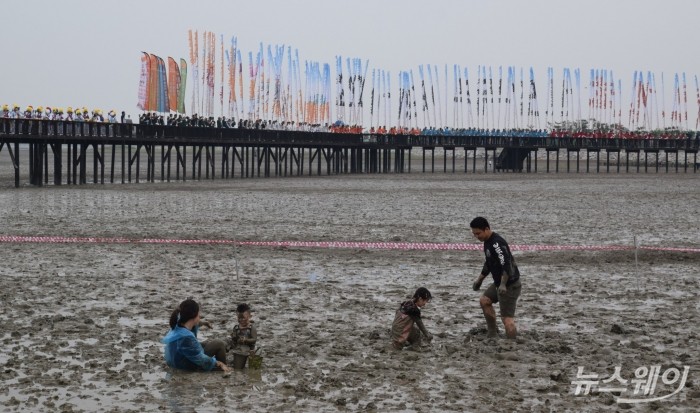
x: 162, y: 87
x: 143, y: 82
x: 173, y: 84
x: 152, y: 83
x: 181, y: 90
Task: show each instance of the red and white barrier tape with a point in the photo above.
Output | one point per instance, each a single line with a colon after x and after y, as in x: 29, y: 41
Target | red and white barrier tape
x: 423, y: 246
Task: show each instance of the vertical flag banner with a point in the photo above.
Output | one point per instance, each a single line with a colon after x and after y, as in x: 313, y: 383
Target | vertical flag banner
x: 182, y: 88
x: 162, y: 87
x: 143, y: 81
x: 153, y: 83
x: 173, y: 84
x: 194, y: 56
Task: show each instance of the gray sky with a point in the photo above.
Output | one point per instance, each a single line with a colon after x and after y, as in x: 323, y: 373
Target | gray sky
x: 87, y: 53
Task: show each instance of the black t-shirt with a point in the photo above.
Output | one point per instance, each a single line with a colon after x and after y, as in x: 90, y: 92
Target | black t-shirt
x: 499, y: 260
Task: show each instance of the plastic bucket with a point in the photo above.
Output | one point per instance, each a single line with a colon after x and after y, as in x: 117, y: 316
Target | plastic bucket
x: 239, y: 360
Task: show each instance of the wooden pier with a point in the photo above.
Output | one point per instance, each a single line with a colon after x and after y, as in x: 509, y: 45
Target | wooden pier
x: 76, y: 153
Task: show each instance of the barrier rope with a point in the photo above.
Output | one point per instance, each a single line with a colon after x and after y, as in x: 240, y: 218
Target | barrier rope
x: 420, y: 246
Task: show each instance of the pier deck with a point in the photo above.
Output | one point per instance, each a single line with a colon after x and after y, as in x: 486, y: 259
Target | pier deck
x: 61, y: 152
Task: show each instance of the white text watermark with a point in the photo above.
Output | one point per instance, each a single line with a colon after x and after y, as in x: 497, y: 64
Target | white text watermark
x: 640, y: 389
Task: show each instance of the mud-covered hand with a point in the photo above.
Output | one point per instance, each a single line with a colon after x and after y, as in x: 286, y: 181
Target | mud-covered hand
x: 477, y: 284
x: 502, y: 289
x: 421, y: 327
x: 223, y: 366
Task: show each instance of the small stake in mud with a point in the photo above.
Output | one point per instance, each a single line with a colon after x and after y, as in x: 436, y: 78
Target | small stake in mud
x: 636, y: 259
x: 235, y: 256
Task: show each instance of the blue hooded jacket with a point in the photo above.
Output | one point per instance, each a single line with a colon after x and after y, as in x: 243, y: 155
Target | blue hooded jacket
x: 183, y: 350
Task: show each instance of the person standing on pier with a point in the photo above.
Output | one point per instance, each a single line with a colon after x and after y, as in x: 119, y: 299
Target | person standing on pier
x: 505, y: 289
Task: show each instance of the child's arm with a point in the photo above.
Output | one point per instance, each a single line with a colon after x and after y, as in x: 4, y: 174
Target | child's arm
x: 253, y: 337
x: 421, y: 327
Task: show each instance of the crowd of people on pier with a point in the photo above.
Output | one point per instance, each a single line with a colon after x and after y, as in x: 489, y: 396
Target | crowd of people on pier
x: 58, y: 113
x: 624, y: 134
x: 153, y: 118
x: 339, y: 127
x: 83, y: 114
x: 522, y: 133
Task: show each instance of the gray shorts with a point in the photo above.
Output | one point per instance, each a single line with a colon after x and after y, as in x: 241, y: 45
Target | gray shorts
x: 507, y: 301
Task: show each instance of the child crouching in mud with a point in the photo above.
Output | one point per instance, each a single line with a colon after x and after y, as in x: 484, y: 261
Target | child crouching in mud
x: 408, y: 325
x: 244, y: 333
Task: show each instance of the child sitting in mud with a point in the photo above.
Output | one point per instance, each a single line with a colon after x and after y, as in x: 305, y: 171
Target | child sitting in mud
x: 408, y: 325
x: 244, y: 334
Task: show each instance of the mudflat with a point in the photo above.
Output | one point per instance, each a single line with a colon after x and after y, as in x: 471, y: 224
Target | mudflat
x: 81, y: 323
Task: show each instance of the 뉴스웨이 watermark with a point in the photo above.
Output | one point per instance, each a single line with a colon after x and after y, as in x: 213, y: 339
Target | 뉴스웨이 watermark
x: 645, y: 382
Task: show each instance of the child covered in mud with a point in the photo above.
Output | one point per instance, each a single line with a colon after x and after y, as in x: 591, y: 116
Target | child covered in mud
x: 408, y: 325
x: 244, y: 333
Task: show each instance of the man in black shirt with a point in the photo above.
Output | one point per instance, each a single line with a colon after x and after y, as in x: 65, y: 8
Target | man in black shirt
x: 505, y: 289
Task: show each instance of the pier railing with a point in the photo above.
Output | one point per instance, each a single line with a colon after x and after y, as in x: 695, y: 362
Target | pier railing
x: 262, y: 152
x: 46, y: 129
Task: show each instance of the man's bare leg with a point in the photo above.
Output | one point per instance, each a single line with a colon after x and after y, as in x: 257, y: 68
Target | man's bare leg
x: 509, y: 324
x: 489, y: 315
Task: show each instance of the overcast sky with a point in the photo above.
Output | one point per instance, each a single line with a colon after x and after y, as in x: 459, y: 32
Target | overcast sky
x: 87, y: 53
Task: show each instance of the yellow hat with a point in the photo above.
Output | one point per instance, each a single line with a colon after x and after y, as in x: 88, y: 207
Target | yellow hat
x: 39, y: 109
x: 69, y: 110
x: 55, y: 110
x: 4, y: 107
x: 15, y: 106
x: 77, y: 111
x: 29, y: 108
